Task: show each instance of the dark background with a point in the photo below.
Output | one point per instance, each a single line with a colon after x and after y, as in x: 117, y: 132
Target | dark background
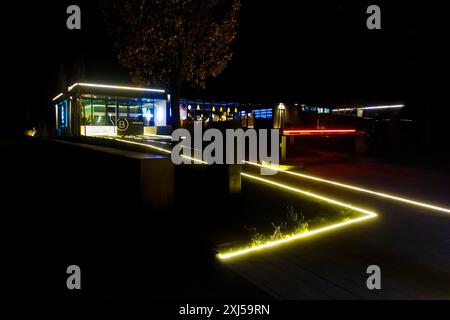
x: 313, y: 51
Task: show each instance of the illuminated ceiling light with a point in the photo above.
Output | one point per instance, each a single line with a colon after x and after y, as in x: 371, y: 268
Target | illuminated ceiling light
x: 228, y: 110
x: 281, y: 106
x: 235, y: 110
x: 368, y: 215
x: 224, y: 256
x: 59, y: 95
x: 380, y: 194
x: 198, y: 107
x: 160, y: 115
x: 113, y: 87
x: 395, y: 106
x: 189, y: 107
x: 319, y: 132
x: 221, y: 109
x: 213, y: 109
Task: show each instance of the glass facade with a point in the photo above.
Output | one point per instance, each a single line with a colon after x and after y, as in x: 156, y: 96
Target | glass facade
x: 99, y: 115
x: 214, y: 112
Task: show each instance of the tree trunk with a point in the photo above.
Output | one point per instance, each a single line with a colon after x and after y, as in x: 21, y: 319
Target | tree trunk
x: 175, y: 95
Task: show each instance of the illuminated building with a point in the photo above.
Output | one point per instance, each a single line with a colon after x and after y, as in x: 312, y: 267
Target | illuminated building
x: 104, y: 110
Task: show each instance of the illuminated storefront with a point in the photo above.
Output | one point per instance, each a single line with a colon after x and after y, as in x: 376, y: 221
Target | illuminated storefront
x: 104, y: 110
x: 245, y: 115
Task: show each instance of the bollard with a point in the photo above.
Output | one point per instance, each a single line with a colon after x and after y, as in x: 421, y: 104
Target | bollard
x: 234, y: 175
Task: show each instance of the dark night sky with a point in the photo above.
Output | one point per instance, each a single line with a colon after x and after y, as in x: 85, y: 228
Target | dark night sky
x: 309, y: 51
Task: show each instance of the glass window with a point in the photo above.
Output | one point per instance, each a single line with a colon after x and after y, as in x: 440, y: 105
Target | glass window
x: 99, y: 110
x: 123, y: 109
x: 110, y: 112
x: 135, y: 110
x: 148, y: 112
x: 86, y: 111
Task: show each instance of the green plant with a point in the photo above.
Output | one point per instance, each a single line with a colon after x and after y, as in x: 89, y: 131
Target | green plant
x: 278, y: 231
x: 256, y: 238
x: 297, y: 221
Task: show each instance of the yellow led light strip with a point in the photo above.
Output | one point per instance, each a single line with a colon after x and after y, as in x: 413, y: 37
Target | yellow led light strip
x: 143, y: 144
x: 224, y: 256
x: 369, y: 215
x: 159, y: 149
x: 113, y: 87
x: 380, y: 194
x: 157, y: 135
x: 310, y: 194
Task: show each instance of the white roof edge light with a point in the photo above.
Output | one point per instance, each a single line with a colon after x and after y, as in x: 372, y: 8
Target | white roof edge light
x: 394, y: 106
x: 107, y: 86
x: 59, y: 95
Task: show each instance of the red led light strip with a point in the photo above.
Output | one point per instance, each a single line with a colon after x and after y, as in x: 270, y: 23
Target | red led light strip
x: 318, y: 132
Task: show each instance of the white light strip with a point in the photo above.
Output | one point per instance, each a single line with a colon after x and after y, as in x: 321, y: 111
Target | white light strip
x: 394, y: 106
x: 384, y: 107
x: 59, y: 95
x: 114, y: 87
x: 345, y: 109
x: 380, y: 194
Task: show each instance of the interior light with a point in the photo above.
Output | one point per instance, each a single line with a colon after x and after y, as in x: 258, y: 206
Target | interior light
x: 160, y: 115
